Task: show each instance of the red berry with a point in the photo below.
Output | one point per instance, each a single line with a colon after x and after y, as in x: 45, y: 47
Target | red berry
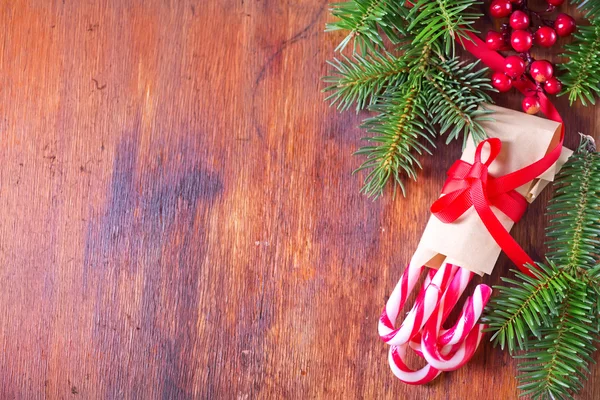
x: 519, y: 20
x: 564, y: 25
x: 501, y: 82
x: 521, y: 41
x: 494, y: 40
x: 552, y: 86
x: 531, y: 105
x: 514, y: 66
x: 541, y: 70
x: 500, y: 8
x: 555, y: 3
x: 545, y: 36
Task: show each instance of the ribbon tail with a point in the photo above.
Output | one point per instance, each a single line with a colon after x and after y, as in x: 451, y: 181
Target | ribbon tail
x: 498, y: 232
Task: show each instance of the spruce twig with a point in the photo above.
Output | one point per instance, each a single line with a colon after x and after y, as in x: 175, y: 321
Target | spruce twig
x: 591, y: 8
x: 416, y: 88
x: 581, y: 79
x: 363, y: 79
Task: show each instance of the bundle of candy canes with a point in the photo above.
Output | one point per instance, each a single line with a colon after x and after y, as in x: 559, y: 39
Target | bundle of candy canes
x: 421, y: 330
x: 480, y: 202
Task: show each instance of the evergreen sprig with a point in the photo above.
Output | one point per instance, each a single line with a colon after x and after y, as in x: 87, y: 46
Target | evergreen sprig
x: 417, y: 87
x: 435, y: 96
x: 591, y: 8
x: 553, y: 317
x: 455, y: 93
x: 362, y: 79
x: 581, y: 79
x: 573, y: 233
x: 368, y: 22
x: 523, y: 308
x: 557, y: 362
x: 442, y: 19
x: 398, y: 130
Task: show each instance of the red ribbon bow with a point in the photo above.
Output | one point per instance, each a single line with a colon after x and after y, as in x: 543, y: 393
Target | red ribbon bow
x: 471, y: 185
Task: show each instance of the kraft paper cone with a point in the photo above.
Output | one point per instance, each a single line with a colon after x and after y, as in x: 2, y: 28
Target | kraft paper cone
x: 525, y: 139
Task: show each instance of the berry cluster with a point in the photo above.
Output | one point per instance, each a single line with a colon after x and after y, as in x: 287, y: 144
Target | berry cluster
x: 526, y: 27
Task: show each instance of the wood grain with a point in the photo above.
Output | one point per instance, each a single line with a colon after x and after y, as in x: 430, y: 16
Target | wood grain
x: 178, y: 214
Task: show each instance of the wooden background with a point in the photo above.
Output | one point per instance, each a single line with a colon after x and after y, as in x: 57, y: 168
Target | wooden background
x: 178, y: 218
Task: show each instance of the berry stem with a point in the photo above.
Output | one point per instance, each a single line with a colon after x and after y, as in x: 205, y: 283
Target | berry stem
x: 532, y: 13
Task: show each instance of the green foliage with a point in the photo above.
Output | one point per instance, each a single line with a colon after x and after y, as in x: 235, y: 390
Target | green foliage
x: 573, y: 232
x: 581, y: 79
x: 553, y: 317
x: 363, y: 79
x: 455, y: 92
x: 557, y: 362
x: 591, y: 8
x: 521, y: 309
x: 417, y: 86
x: 366, y: 20
x: 397, y: 127
x: 442, y: 19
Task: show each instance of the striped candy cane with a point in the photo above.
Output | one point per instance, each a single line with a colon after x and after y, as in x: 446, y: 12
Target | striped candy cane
x: 398, y: 353
x: 460, y: 342
x: 470, y: 314
x: 404, y: 373
x: 447, y: 303
x: 423, y: 308
x: 397, y: 300
x: 444, y: 350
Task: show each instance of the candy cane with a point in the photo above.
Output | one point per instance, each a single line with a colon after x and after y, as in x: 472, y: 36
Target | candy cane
x: 459, y: 357
x: 398, y: 353
x: 398, y: 366
x: 397, y: 300
x: 469, y: 316
x: 433, y: 288
x: 449, y: 299
x: 399, y: 296
x: 461, y: 334
x: 423, y: 308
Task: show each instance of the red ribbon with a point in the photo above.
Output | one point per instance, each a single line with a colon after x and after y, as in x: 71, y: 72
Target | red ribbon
x: 470, y: 184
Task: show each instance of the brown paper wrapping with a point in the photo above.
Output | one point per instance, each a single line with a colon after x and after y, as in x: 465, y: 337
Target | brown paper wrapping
x: 525, y: 139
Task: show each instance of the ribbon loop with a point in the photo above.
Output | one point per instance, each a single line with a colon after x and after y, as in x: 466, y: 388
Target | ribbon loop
x: 495, y: 145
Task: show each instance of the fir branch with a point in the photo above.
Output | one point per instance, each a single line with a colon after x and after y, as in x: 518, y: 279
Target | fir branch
x: 398, y: 128
x: 431, y: 20
x: 455, y: 99
x: 581, y: 80
x: 366, y: 20
x: 434, y: 94
x: 413, y: 88
x: 362, y: 80
x: 591, y: 8
x: 564, y: 324
x: 523, y: 308
x: 554, y: 367
x: 573, y: 235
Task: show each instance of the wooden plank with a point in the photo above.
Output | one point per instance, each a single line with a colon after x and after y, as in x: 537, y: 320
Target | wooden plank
x: 179, y: 218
